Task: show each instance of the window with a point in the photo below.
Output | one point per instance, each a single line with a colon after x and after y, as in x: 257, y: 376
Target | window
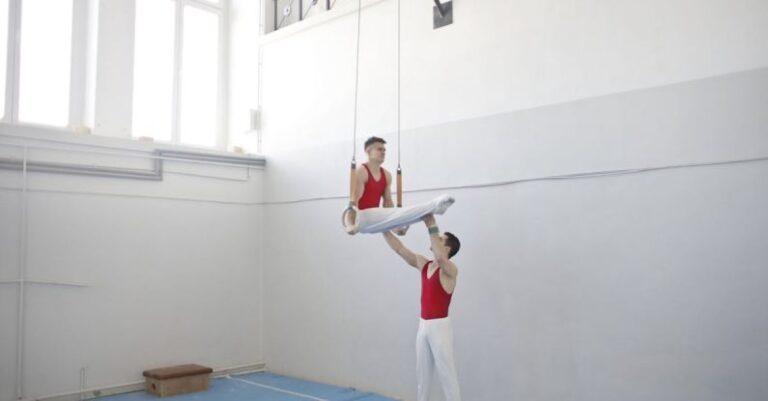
x: 177, y: 85
x: 44, y: 49
x: 199, y: 85
x: 153, y: 69
x: 45, y: 61
x: 3, y: 52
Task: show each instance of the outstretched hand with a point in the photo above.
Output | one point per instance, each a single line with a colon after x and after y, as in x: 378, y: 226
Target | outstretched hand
x: 429, y: 220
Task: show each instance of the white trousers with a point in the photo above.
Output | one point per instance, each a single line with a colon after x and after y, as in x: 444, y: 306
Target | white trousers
x: 380, y: 219
x: 434, y: 352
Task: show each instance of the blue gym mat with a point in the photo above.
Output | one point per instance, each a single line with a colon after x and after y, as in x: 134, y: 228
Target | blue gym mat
x: 260, y: 387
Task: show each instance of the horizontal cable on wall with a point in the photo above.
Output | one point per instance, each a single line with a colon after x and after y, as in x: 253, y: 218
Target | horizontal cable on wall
x: 572, y: 176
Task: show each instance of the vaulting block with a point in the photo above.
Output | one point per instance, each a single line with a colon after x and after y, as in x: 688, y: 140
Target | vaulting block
x: 175, y: 380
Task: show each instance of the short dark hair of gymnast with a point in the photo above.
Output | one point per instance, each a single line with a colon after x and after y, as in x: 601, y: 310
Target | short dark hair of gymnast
x: 374, y: 139
x: 453, y: 243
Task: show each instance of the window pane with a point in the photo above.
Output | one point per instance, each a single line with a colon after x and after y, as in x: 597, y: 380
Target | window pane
x: 46, y: 48
x: 153, y: 69
x: 3, y: 51
x: 200, y: 74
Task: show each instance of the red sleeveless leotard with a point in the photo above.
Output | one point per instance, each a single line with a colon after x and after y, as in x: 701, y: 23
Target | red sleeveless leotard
x: 374, y: 190
x: 434, y: 300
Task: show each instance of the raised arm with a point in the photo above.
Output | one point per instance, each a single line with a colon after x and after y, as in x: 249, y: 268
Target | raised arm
x: 360, y: 178
x: 401, y: 231
x: 438, y: 248
x: 387, y: 191
x: 411, y: 258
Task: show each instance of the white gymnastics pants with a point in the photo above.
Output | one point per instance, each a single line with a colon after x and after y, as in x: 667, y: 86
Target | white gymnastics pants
x: 380, y: 219
x: 434, y: 352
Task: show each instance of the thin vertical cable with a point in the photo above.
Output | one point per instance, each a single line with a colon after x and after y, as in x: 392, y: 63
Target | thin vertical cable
x: 398, y: 84
x: 357, y: 77
x: 22, y: 284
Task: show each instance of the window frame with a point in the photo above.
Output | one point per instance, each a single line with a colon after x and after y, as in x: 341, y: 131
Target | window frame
x: 79, y: 67
x: 82, y: 73
x: 221, y: 10
x: 11, y: 110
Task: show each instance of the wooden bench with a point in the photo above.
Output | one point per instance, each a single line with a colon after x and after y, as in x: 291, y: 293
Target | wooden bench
x: 174, y: 380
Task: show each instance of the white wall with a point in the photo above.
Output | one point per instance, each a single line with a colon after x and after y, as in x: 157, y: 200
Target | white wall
x: 631, y: 287
x: 171, y: 269
x: 499, y: 56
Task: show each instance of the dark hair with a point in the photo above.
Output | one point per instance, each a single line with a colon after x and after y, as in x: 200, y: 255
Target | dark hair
x: 374, y: 139
x: 453, y: 242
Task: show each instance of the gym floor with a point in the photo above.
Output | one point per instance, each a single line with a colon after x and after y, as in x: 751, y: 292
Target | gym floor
x: 261, y: 387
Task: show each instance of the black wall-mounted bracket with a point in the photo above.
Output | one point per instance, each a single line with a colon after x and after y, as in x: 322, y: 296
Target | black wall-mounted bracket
x: 442, y: 14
